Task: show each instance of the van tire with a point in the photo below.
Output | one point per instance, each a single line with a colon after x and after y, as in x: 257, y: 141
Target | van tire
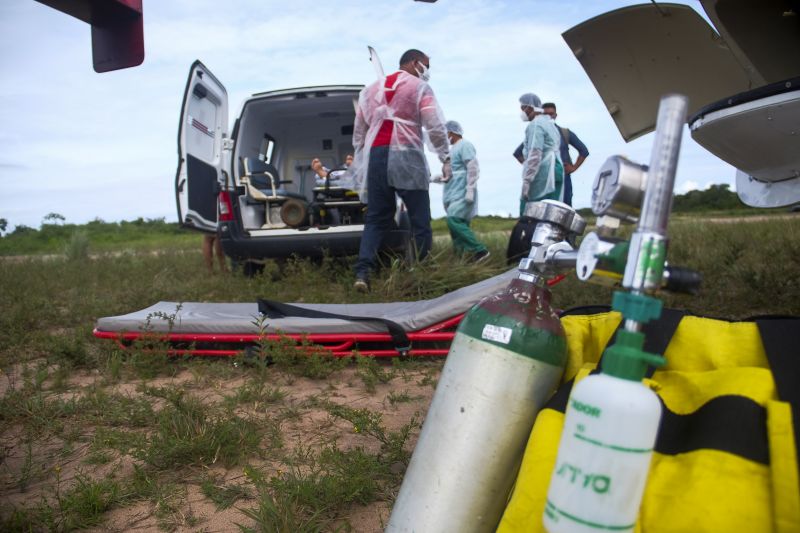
x: 251, y: 269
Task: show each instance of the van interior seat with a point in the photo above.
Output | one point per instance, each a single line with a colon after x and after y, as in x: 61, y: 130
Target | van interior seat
x: 262, y: 182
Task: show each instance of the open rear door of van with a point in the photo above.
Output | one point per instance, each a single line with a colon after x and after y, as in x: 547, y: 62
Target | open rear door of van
x: 202, y: 131
x: 637, y: 54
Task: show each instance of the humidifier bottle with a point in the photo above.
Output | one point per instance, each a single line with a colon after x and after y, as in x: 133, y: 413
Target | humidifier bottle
x: 606, y: 445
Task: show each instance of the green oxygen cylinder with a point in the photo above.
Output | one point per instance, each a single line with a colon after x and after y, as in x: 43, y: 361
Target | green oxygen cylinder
x: 506, y: 360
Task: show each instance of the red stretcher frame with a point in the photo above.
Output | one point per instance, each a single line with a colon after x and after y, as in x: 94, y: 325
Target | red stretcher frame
x: 426, y: 342
x: 338, y: 344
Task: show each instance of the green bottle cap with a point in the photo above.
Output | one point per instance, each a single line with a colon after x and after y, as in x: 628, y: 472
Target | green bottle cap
x: 638, y: 307
x: 626, y: 359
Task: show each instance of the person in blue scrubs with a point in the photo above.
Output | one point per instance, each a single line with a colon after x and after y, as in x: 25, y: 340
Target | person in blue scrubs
x: 460, y: 194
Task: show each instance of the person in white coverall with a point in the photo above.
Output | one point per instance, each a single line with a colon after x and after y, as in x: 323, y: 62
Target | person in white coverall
x: 542, y: 169
x: 389, y: 156
x: 460, y: 194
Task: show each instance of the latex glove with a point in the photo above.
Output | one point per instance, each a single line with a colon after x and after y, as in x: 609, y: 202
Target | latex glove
x: 469, y: 197
x: 447, y: 171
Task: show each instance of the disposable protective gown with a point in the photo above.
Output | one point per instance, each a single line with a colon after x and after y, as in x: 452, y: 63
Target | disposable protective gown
x: 465, y: 178
x: 542, y: 171
x: 399, y: 111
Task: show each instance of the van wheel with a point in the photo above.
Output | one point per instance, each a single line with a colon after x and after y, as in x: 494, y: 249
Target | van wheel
x: 251, y: 269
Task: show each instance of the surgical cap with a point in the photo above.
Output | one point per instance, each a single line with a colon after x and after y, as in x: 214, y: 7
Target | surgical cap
x: 531, y: 99
x: 454, y: 127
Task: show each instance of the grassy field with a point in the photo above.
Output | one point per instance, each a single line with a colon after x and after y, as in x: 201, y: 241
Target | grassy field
x: 57, y: 238
x: 98, y: 439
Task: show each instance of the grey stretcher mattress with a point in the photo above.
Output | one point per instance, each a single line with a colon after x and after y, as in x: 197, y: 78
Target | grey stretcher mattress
x: 242, y: 318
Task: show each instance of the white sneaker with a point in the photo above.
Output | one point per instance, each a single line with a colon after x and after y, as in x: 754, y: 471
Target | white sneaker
x: 480, y: 257
x: 361, y: 285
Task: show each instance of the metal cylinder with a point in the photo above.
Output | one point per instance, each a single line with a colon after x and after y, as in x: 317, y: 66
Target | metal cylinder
x: 506, y: 359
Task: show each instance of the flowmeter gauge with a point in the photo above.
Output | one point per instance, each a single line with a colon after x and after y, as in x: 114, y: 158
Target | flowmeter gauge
x: 619, y: 188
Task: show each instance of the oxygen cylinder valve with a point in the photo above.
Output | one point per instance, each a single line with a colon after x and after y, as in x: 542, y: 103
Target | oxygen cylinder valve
x: 557, y: 226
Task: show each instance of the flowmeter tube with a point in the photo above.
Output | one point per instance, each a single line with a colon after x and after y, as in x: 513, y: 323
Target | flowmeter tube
x: 645, y: 266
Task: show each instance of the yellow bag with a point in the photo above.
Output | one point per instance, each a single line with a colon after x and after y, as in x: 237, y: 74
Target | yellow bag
x: 725, y: 457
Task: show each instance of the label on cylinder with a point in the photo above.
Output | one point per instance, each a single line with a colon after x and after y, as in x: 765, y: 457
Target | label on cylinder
x: 496, y: 333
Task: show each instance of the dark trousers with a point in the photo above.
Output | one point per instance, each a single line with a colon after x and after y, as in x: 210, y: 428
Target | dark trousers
x: 567, y: 189
x: 381, y: 210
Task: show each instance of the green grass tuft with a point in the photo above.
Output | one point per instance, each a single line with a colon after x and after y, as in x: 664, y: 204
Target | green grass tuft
x: 190, y: 433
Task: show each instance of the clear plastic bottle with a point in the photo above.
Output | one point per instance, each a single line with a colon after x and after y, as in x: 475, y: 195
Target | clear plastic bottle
x: 606, y: 446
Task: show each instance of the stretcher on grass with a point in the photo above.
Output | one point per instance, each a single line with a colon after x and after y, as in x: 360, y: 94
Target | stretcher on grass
x: 420, y: 328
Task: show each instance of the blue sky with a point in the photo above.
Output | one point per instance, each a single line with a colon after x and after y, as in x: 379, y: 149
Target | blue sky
x: 89, y: 145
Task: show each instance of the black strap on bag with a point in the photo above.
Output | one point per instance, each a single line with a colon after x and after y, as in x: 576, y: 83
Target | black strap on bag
x: 781, y: 338
x: 273, y: 309
x: 734, y: 423
x: 657, y: 333
x: 586, y: 310
x: 657, y: 339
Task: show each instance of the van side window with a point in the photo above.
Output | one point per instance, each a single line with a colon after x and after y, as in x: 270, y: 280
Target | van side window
x: 267, y: 148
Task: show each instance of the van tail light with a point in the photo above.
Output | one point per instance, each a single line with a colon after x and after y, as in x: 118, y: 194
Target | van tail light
x: 225, y: 206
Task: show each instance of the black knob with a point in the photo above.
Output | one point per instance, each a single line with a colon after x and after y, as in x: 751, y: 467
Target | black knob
x: 682, y: 280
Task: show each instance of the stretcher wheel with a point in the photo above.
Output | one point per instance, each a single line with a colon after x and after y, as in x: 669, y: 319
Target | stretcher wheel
x: 294, y: 212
